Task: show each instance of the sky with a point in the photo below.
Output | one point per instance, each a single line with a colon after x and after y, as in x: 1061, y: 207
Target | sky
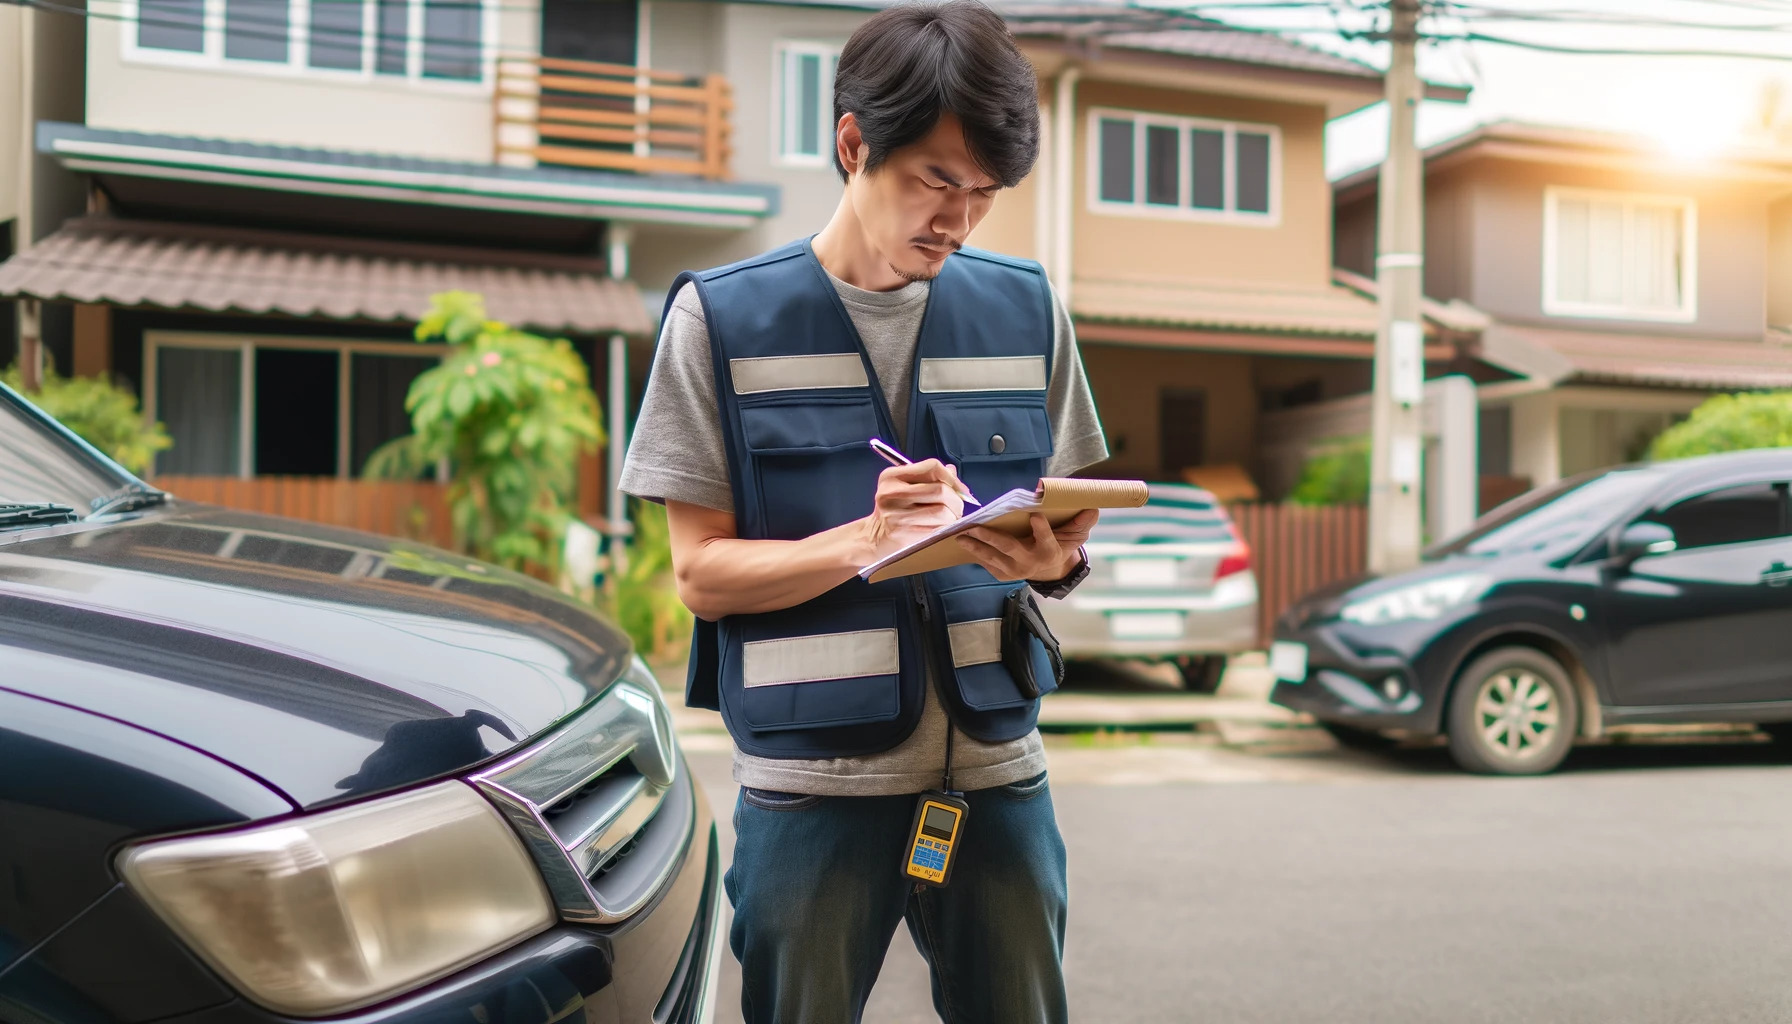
x: 1692, y: 106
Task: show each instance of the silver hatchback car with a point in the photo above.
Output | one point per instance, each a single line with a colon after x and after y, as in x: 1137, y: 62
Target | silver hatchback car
x: 1169, y: 581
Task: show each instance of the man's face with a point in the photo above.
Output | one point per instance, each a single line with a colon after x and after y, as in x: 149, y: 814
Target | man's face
x: 922, y: 203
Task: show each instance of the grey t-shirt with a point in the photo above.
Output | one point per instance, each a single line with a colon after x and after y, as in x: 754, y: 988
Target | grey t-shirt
x: 677, y: 453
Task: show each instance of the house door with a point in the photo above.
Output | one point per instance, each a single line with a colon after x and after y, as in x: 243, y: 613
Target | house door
x: 599, y: 30
x: 1182, y: 430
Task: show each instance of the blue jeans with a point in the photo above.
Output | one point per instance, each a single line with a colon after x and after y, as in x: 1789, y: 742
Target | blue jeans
x: 818, y: 890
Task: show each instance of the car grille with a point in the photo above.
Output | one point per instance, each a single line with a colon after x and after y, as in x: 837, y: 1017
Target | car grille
x: 603, y: 804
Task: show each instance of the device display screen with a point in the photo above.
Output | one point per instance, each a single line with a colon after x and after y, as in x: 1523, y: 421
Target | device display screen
x: 938, y: 822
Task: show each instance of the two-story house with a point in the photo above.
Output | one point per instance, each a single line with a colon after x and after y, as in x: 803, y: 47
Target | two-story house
x: 274, y: 189
x: 1180, y: 203
x: 1623, y: 286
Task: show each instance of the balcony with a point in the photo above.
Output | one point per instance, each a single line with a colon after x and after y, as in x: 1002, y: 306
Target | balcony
x: 551, y: 111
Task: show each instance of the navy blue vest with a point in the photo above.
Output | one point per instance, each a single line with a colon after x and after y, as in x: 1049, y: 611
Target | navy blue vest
x: 842, y: 675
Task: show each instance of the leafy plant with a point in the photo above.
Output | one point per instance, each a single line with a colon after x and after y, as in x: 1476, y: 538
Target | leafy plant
x: 1337, y: 474
x: 104, y: 414
x: 643, y: 598
x: 510, y: 414
x: 1728, y: 423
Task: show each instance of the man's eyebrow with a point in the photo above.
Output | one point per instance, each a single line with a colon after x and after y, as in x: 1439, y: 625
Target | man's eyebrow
x: 934, y: 170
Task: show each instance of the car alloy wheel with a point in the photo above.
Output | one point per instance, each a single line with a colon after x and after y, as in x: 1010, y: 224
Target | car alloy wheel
x: 1513, y: 712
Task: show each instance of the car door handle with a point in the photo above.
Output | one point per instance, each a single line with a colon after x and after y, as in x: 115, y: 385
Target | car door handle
x: 1777, y: 575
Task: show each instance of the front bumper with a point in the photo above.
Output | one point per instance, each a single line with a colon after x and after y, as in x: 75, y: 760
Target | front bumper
x: 658, y: 966
x: 1347, y: 687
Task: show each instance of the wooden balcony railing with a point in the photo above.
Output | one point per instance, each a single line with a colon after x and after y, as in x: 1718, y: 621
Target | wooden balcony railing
x: 578, y: 113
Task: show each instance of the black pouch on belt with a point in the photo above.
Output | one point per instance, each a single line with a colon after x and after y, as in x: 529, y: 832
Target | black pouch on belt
x: 1024, y: 637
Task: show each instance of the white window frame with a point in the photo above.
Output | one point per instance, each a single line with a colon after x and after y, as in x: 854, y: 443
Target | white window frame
x: 785, y: 99
x: 1182, y: 211
x: 246, y: 345
x: 1689, y: 263
x: 298, y: 49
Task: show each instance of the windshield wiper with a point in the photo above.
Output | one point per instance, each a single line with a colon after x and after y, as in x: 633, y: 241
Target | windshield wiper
x: 128, y: 498
x: 38, y: 514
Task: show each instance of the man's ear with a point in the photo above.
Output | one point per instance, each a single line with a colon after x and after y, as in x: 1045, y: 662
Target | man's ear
x: 849, y: 145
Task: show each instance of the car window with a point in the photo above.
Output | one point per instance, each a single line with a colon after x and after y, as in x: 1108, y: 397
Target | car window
x: 1570, y: 512
x: 1174, y: 514
x: 38, y: 464
x: 1730, y: 515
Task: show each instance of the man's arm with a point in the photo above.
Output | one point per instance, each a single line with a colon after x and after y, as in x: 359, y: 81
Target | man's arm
x: 719, y: 574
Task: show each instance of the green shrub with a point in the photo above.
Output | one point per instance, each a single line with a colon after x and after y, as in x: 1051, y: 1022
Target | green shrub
x: 643, y: 598
x: 1729, y: 423
x: 511, y: 414
x: 104, y: 414
x: 1336, y: 474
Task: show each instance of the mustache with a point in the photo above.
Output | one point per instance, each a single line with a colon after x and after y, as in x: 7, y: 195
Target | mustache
x: 938, y: 243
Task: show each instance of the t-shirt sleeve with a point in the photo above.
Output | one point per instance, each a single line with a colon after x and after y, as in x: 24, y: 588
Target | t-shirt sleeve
x: 1076, y: 430
x: 677, y: 452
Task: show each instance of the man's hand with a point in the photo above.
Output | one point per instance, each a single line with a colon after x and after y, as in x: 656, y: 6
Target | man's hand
x: 912, y: 501
x: 1047, y: 555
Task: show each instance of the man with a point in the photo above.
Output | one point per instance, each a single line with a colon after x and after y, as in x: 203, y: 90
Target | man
x: 847, y: 699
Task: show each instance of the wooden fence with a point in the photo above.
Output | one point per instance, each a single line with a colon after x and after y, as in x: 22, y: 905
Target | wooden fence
x: 1298, y: 548
x: 418, y: 510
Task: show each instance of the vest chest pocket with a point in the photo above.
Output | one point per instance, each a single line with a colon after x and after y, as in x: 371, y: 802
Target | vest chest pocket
x: 974, y: 632
x: 811, y: 468
x: 997, y: 443
x: 816, y: 665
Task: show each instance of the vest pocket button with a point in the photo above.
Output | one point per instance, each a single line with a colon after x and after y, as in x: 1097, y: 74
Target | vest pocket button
x: 997, y: 444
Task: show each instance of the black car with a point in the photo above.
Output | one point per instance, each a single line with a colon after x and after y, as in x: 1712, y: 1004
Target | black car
x: 1644, y: 593
x: 254, y: 769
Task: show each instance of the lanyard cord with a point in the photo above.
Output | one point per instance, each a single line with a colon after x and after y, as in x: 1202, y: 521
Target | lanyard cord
x: 950, y: 729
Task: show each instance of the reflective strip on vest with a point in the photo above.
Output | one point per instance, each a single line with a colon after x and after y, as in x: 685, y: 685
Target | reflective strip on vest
x: 797, y: 373
x: 994, y: 373
x: 810, y: 659
x: 977, y: 642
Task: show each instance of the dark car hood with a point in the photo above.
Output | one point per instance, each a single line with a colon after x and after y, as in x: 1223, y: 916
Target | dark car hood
x: 327, y: 662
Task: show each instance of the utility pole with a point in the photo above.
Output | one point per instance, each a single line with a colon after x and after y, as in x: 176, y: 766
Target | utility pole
x: 1397, y: 442
x: 30, y: 321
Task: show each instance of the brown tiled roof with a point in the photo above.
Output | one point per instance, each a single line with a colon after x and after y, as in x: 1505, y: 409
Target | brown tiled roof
x: 1329, y: 311
x: 1706, y: 363
x: 183, y: 266
x: 1131, y: 27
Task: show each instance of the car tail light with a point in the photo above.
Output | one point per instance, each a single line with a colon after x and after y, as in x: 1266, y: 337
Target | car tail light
x: 1238, y: 560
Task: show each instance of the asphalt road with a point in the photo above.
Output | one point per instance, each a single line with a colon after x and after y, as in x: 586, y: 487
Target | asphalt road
x: 1642, y: 884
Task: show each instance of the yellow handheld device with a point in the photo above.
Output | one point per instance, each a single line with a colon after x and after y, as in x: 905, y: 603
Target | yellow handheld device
x: 939, y: 825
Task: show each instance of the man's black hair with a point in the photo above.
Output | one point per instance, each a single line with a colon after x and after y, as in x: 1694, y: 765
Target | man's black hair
x: 915, y: 61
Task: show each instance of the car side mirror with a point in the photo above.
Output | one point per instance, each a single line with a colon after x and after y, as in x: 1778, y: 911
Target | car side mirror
x: 1639, y: 539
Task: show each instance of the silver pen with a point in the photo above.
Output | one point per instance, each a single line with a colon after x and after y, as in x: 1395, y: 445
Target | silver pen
x: 896, y: 458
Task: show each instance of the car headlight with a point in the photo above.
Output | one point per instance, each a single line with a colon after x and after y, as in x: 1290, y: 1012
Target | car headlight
x: 1425, y: 600
x: 331, y: 911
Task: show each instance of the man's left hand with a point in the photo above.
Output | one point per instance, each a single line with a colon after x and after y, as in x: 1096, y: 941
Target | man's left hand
x: 1045, y: 556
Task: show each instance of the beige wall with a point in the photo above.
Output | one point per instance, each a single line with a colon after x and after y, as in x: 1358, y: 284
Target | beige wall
x: 443, y: 120
x: 1779, y: 264
x: 1296, y: 251
x: 10, y: 110
x: 1127, y: 382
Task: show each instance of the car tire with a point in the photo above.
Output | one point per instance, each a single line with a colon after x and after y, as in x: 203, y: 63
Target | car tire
x: 1201, y: 673
x: 1513, y: 711
x: 1357, y: 739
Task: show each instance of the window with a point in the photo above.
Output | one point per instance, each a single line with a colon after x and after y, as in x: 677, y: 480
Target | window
x: 440, y: 40
x: 1734, y: 515
x: 1619, y: 256
x: 277, y: 406
x: 806, y: 102
x: 1182, y: 430
x: 1184, y: 167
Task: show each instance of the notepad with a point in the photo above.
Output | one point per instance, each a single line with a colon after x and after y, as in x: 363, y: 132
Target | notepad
x: 1059, y: 499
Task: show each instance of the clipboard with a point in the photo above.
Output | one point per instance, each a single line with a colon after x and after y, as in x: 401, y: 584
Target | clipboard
x: 1058, y: 498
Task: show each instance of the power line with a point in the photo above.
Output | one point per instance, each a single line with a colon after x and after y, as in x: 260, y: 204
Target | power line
x: 1614, y: 51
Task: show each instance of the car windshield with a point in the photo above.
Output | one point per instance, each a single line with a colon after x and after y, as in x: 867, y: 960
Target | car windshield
x: 1175, y: 514
x: 1567, y: 512
x: 40, y: 464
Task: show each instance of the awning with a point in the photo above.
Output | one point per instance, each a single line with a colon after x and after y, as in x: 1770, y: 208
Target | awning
x: 122, y: 262
x: 1559, y: 356
x: 1330, y: 311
